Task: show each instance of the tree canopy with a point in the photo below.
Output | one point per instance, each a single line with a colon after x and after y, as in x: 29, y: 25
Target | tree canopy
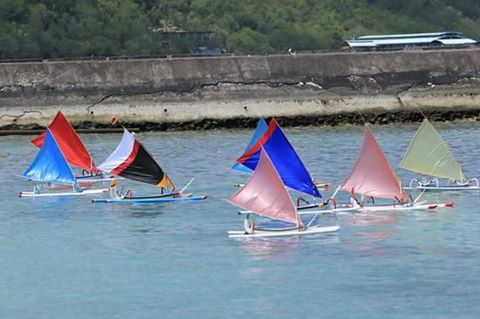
x: 78, y: 28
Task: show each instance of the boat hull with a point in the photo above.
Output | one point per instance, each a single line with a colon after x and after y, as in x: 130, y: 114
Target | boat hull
x: 63, y: 194
x: 146, y: 200
x: 444, y: 188
x: 405, y: 207
x: 281, y: 233
x: 340, y: 210
x: 85, y: 183
x: 434, y: 185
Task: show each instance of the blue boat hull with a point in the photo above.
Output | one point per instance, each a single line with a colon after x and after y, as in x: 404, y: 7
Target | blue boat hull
x: 149, y: 200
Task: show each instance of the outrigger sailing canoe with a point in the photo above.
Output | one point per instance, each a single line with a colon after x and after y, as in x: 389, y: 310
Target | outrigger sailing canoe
x: 283, y: 156
x: 265, y: 194
x: 373, y: 177
x: 263, y: 132
x: 288, y: 164
x: 429, y: 154
x: 50, y: 166
x: 132, y: 161
x: 73, y: 149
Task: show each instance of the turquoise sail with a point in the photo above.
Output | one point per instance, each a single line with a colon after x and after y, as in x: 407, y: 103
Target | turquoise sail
x: 261, y: 128
x: 49, y: 165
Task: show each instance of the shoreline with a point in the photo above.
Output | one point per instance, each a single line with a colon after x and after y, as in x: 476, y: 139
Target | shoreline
x: 347, y: 119
x: 328, y: 89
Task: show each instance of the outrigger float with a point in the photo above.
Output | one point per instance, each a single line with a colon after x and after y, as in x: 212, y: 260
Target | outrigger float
x: 264, y: 194
x: 132, y: 161
x: 373, y: 177
x: 428, y: 154
x: 51, y: 168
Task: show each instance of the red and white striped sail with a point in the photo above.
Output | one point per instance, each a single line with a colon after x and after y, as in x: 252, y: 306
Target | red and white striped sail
x: 265, y: 194
x: 131, y: 160
x: 69, y: 143
x: 121, y: 154
x: 372, y: 175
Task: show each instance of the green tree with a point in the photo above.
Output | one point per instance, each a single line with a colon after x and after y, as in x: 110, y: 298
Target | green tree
x: 70, y: 28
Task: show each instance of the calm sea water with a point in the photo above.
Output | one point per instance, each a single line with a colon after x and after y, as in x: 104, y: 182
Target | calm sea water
x: 70, y: 258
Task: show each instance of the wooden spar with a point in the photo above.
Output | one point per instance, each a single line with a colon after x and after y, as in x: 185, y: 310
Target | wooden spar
x: 186, y: 185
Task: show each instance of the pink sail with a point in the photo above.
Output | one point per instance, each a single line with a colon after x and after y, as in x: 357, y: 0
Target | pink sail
x: 372, y: 175
x: 265, y: 194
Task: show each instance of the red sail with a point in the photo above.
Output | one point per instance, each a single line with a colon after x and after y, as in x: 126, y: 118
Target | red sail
x: 372, y: 174
x: 69, y: 142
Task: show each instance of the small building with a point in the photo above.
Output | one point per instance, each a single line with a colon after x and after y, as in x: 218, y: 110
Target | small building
x: 189, y: 42
x: 411, y: 40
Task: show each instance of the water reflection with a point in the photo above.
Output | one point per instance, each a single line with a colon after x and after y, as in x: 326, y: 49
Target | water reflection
x: 376, y: 229
x: 139, y: 251
x: 364, y: 219
x: 145, y: 211
x: 266, y: 248
x: 48, y: 208
x: 281, y: 247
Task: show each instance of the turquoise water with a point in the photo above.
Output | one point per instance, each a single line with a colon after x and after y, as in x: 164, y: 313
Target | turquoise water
x: 69, y: 258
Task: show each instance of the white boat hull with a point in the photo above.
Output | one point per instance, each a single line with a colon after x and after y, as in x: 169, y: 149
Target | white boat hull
x: 62, y: 194
x: 444, y: 188
x: 420, y: 206
x: 279, y: 233
x: 434, y: 185
x: 340, y: 210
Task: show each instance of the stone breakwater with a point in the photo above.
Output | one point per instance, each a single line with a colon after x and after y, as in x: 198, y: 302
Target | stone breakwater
x: 234, y: 91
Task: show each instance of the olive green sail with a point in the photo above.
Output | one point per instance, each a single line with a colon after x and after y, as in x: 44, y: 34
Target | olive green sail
x: 428, y: 154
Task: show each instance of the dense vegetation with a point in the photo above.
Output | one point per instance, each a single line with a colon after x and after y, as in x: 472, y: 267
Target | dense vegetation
x: 74, y: 28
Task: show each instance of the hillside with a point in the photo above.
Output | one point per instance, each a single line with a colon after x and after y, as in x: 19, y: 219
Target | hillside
x: 79, y: 28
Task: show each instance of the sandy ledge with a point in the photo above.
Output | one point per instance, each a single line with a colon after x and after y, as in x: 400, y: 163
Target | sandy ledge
x: 233, y: 92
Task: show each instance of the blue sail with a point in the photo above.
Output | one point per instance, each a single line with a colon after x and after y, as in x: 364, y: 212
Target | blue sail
x: 287, y: 162
x: 261, y: 128
x: 49, y: 165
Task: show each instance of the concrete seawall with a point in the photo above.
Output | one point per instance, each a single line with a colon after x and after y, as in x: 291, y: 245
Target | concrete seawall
x: 190, y: 93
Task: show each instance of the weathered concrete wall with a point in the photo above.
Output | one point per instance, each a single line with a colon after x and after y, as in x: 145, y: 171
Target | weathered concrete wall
x: 189, y: 90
